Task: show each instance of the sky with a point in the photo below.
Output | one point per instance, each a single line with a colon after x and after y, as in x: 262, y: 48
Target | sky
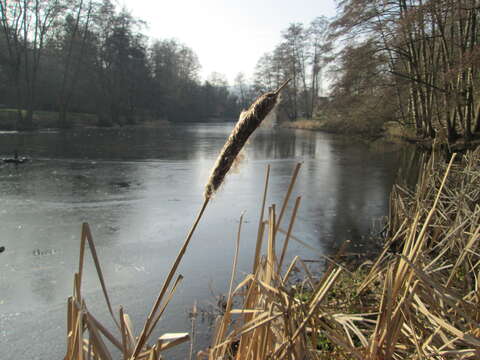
x: 228, y: 36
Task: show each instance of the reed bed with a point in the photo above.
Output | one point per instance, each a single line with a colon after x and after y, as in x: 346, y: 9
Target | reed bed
x: 86, y: 337
x: 419, y: 299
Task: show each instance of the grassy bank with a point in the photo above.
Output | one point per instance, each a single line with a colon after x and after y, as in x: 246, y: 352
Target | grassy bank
x: 389, y: 133
x: 374, y: 138
x: 363, y: 129
x: 419, y: 298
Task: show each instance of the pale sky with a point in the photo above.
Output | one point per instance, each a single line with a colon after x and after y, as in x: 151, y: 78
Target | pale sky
x: 228, y: 36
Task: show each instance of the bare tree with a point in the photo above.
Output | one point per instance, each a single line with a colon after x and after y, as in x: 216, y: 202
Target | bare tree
x: 73, y: 50
x: 432, y: 46
x: 321, y: 46
x: 27, y: 25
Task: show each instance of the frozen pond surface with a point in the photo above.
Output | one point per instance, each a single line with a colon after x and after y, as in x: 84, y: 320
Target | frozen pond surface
x: 139, y: 189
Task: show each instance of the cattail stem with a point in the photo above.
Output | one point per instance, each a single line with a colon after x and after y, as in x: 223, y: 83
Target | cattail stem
x: 246, y: 125
x: 144, y: 334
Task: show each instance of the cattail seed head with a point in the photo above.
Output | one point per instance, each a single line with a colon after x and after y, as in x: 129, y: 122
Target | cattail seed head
x: 247, y: 123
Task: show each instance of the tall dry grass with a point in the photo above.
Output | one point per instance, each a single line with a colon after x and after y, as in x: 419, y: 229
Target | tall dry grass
x: 420, y: 299
x: 85, y: 335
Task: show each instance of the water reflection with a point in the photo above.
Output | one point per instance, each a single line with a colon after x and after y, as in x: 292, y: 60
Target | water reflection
x: 139, y: 190
x: 181, y: 142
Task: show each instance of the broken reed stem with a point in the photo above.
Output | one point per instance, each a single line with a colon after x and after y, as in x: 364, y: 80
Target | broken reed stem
x: 249, y: 121
x: 289, y: 232
x: 88, y: 238
x: 226, y: 317
x: 143, y: 335
x: 287, y: 196
x: 193, y: 315
x: 260, y: 224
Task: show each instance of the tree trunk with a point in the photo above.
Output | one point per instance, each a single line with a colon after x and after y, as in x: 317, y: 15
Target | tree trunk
x: 27, y: 121
x: 62, y: 117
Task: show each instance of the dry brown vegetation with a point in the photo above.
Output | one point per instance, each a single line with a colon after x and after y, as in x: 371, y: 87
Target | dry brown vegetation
x: 87, y: 338
x: 419, y: 299
x: 86, y: 335
x: 363, y: 130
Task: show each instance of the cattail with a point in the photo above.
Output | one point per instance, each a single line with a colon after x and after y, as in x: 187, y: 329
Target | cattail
x: 247, y: 123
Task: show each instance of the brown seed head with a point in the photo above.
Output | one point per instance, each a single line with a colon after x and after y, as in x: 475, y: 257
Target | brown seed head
x: 249, y: 120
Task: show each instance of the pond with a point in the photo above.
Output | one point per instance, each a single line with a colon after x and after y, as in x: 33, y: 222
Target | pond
x: 140, y: 189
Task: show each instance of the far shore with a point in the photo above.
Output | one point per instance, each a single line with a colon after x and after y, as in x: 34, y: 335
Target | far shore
x: 43, y: 120
x: 391, y: 133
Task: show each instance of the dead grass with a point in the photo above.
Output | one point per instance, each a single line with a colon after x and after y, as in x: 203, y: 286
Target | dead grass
x: 86, y: 336
x: 304, y: 124
x: 419, y: 299
x: 336, y: 126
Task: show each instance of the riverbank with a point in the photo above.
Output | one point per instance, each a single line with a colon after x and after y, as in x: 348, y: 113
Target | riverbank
x: 391, y: 133
x: 334, y: 127
x: 45, y: 119
x: 360, y: 133
x: 417, y: 299
x: 374, y: 138
x: 49, y: 120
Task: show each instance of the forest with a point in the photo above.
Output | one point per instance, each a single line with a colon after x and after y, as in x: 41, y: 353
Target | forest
x: 84, y: 57
x: 413, y: 62
x: 410, y: 62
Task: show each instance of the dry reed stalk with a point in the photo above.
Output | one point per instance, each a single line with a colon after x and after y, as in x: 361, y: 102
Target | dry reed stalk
x: 426, y: 309
x: 136, y: 348
x: 193, y: 318
x: 246, y: 125
x: 420, y: 299
x: 86, y: 336
x: 289, y: 231
x: 260, y: 222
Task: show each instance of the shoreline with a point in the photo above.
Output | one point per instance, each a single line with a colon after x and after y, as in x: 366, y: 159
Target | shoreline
x: 49, y: 120
x: 389, y: 136
x: 376, y: 141
x: 419, y: 288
